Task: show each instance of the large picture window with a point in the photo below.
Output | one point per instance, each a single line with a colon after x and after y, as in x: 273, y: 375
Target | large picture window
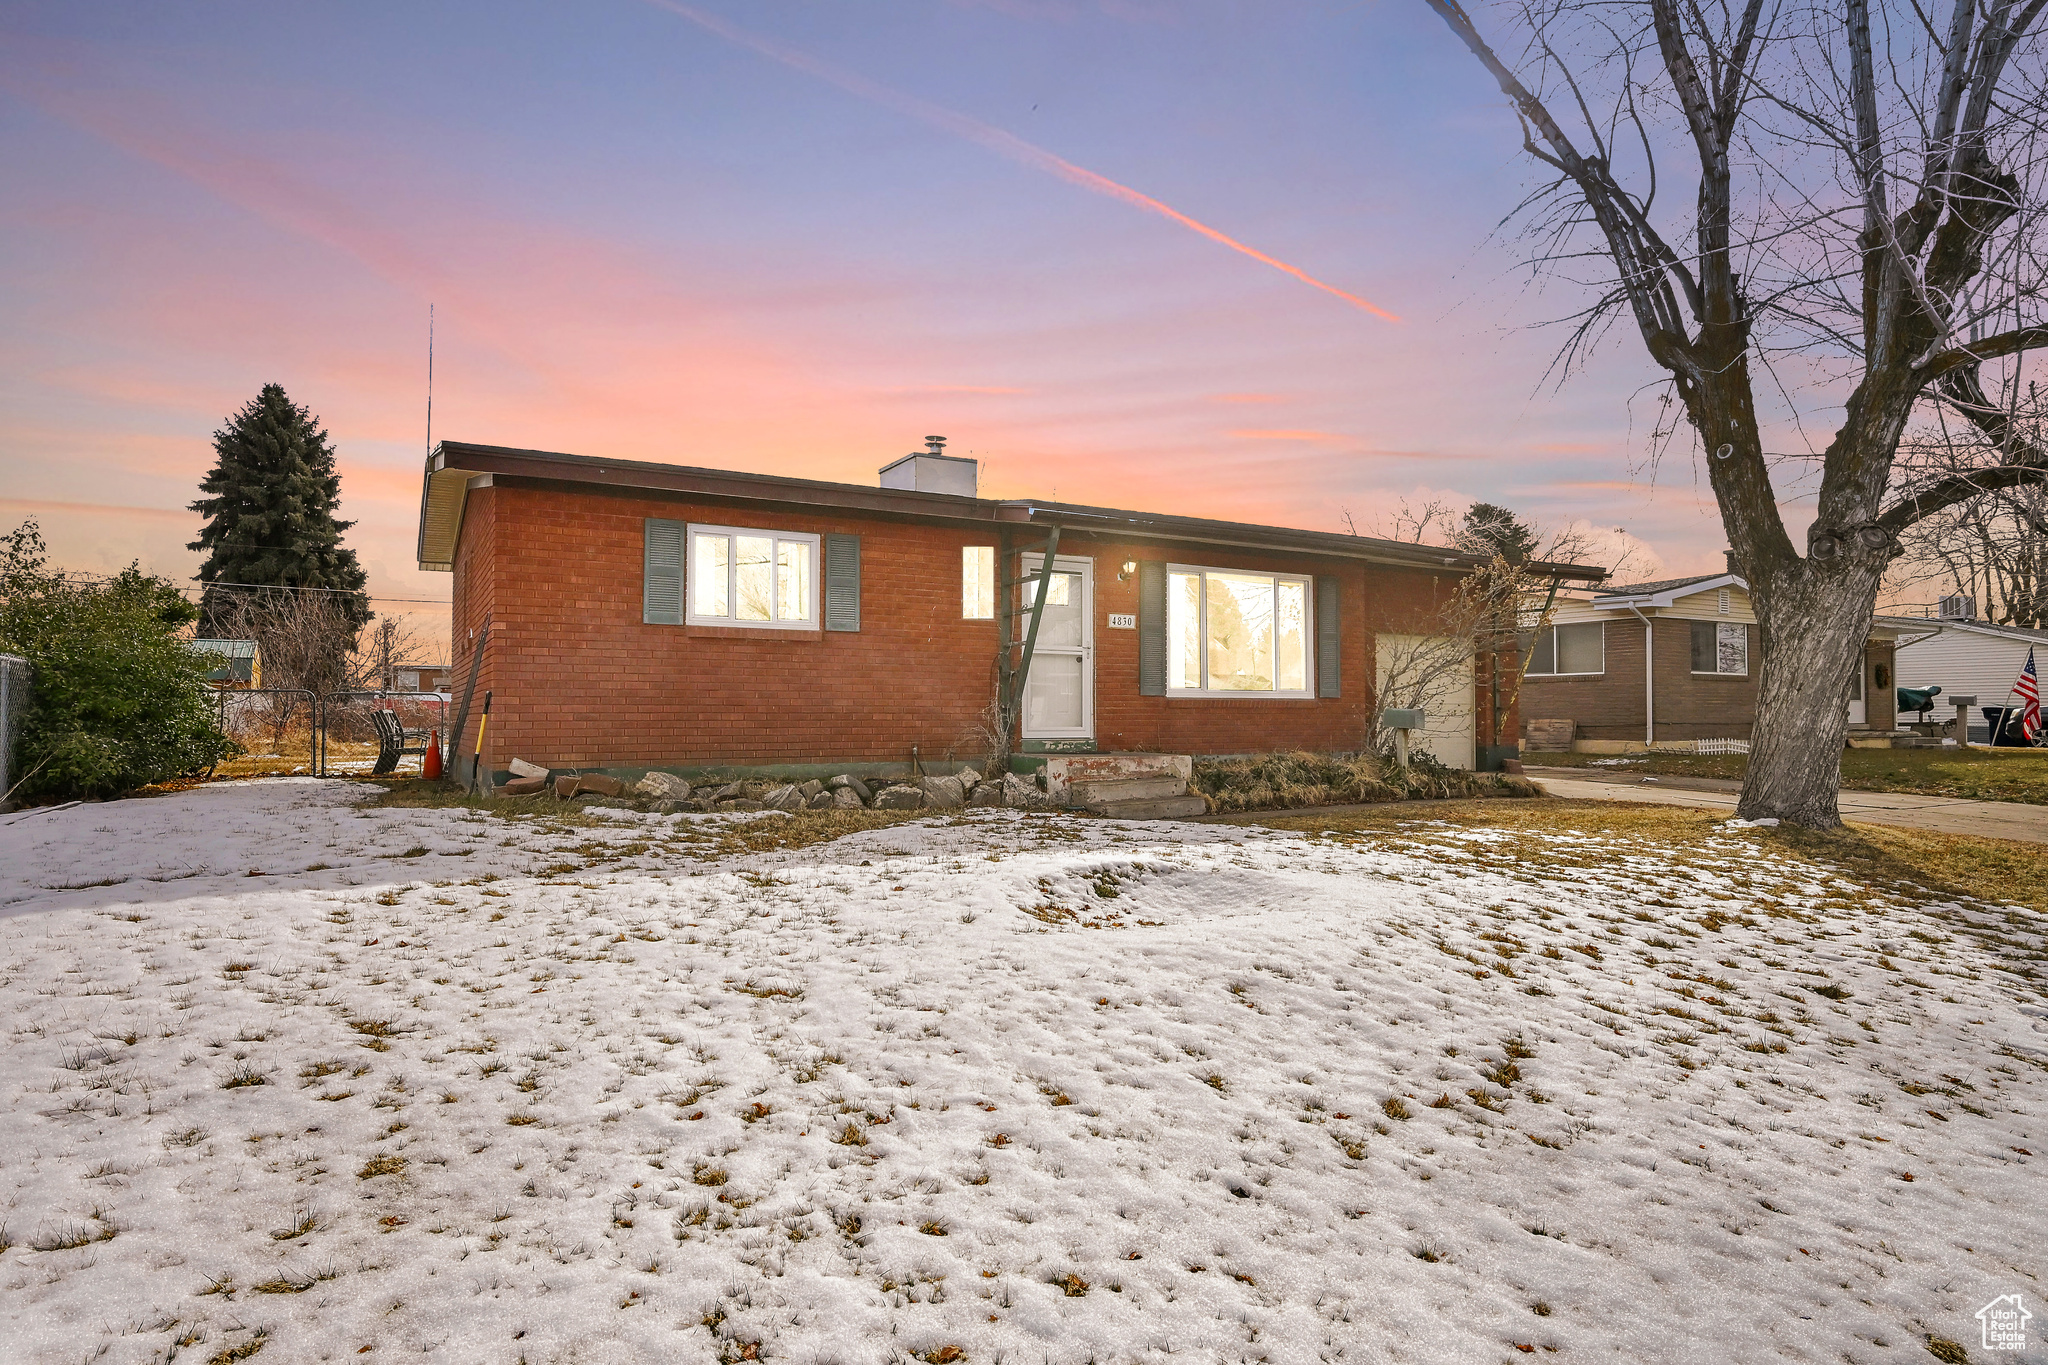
x: 1576, y: 648
x: 764, y: 579
x: 1720, y: 647
x: 1230, y: 633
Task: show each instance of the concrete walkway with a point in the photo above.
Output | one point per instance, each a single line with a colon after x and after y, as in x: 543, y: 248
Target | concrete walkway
x: 1941, y: 814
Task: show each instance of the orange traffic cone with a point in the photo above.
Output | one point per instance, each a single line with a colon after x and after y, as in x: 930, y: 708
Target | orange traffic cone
x: 430, y: 766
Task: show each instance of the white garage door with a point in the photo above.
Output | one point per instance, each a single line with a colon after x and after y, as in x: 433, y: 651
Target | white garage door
x: 1436, y: 675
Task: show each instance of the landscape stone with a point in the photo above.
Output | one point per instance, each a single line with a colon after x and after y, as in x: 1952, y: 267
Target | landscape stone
x: 1020, y: 793
x: 970, y: 777
x: 860, y: 788
x: 845, y: 798
x: 943, y: 793
x: 824, y: 800
x: 600, y: 784
x: 662, y: 786
x: 784, y: 798
x: 986, y: 794
x: 521, y: 768
x: 811, y: 789
x: 740, y: 803
x: 565, y: 787
x: 524, y: 786
x: 899, y: 798
x: 731, y: 791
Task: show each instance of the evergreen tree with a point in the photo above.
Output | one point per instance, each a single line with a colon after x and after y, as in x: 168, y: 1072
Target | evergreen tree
x: 269, y: 507
x: 1489, y: 529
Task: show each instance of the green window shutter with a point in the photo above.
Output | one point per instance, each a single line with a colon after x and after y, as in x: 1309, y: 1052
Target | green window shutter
x: 1329, y: 657
x: 1151, y: 628
x: 661, y: 593
x: 842, y: 582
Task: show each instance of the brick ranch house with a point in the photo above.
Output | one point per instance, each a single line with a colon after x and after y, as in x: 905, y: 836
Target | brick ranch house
x: 1672, y: 661
x: 712, y: 623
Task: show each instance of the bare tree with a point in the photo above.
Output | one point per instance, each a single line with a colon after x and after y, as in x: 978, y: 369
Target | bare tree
x: 304, y: 640
x: 1993, y: 547
x: 1429, y: 658
x: 1865, y: 230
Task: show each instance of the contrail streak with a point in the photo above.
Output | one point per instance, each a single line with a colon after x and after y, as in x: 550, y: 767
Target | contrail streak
x: 1009, y: 144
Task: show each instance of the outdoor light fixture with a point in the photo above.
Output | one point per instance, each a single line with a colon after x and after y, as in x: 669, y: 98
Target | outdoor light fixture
x: 1126, y: 569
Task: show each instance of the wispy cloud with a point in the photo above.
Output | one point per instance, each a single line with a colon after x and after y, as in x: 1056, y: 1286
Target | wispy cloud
x: 996, y: 139
x: 98, y: 508
x: 1289, y: 434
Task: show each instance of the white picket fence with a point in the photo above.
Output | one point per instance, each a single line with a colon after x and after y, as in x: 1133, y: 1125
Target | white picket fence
x: 1701, y: 746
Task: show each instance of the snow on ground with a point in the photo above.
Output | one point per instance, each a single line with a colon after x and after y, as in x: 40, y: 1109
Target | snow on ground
x: 288, y: 1078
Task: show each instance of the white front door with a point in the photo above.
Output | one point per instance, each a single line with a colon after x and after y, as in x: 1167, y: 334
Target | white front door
x: 1059, y: 692
x: 1856, y: 708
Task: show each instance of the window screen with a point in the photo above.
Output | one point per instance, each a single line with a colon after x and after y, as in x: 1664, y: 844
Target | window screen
x: 752, y: 578
x: 1230, y: 632
x: 1720, y: 647
x: 1579, y: 647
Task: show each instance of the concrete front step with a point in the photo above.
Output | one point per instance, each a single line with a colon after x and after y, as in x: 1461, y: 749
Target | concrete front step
x: 1095, y: 792
x: 1063, y: 770
x: 1156, y: 808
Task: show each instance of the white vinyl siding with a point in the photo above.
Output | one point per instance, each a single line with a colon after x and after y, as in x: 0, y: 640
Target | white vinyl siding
x: 1967, y: 664
x: 758, y: 579
x: 1234, y: 634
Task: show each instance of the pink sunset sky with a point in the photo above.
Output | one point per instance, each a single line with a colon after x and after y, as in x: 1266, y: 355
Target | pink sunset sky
x: 1217, y: 259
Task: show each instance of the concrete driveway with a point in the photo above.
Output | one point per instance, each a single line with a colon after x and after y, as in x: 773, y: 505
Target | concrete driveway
x: 1942, y: 814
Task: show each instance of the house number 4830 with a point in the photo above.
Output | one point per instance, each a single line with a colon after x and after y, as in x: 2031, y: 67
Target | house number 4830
x: 1119, y: 622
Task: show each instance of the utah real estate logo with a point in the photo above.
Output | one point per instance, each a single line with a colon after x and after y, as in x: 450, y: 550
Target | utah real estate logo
x: 2005, y: 1323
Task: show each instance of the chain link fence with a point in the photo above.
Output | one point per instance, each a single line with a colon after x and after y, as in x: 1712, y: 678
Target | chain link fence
x: 350, y: 744
x: 14, y: 701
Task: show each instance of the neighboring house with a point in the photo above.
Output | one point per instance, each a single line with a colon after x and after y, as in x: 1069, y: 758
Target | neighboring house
x: 243, y: 668
x: 649, y: 615
x: 1965, y: 659
x: 420, y: 678
x: 1674, y: 660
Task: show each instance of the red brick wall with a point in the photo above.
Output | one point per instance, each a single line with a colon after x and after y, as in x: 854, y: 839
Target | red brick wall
x: 581, y: 681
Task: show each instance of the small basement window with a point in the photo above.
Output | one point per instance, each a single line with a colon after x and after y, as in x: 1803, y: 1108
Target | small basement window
x: 763, y: 579
x: 1230, y: 633
x: 1579, y: 648
x: 1720, y: 648
x: 978, y: 582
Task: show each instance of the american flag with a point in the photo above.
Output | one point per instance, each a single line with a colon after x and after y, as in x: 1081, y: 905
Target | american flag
x: 2028, y: 690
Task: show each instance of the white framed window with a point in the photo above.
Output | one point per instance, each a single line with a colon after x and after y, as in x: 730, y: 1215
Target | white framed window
x: 762, y: 579
x: 978, y: 582
x: 1576, y: 649
x: 1719, y: 647
x: 1233, y: 633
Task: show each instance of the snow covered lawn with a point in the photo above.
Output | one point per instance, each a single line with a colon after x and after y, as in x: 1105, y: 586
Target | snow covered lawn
x: 290, y: 1079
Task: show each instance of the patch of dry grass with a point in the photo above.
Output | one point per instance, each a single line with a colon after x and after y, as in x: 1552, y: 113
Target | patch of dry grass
x: 1970, y: 774
x: 1292, y: 781
x: 1947, y: 866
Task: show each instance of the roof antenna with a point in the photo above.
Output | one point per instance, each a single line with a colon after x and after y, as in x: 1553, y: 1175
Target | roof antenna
x: 430, y: 381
